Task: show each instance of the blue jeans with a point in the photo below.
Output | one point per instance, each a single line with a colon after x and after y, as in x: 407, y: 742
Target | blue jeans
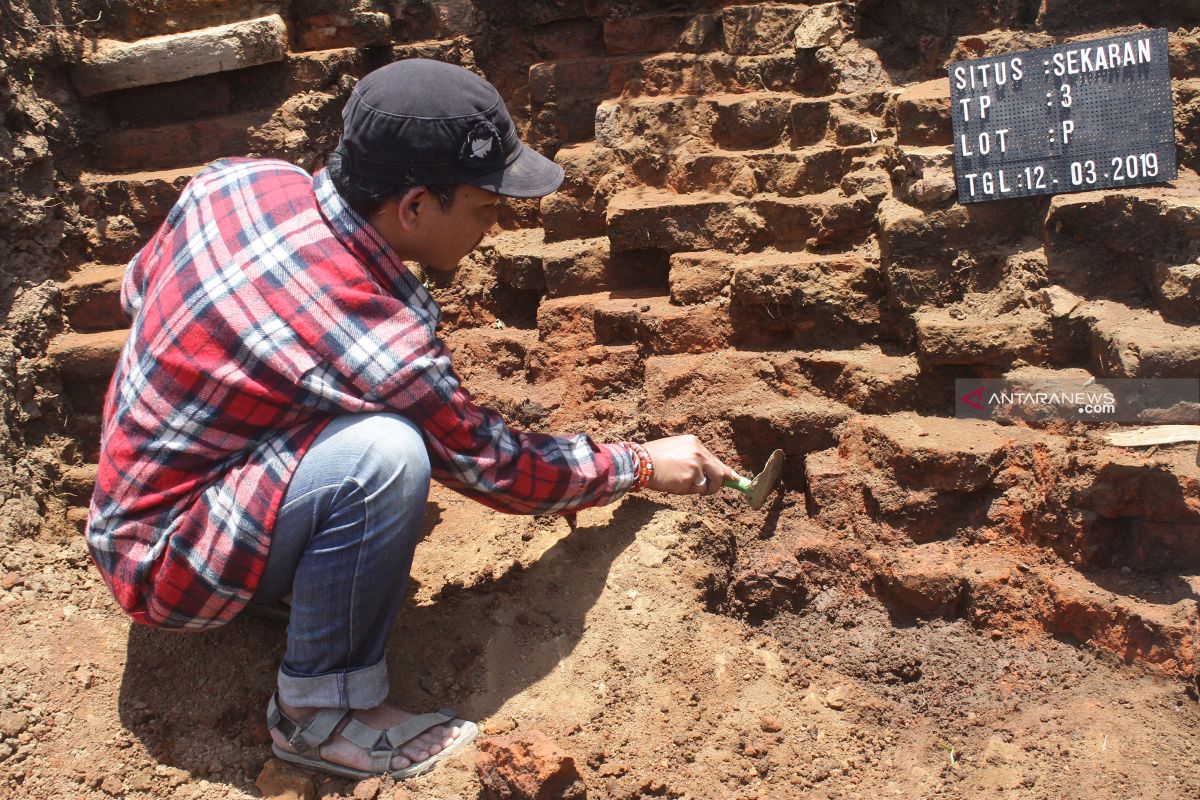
x: 343, y: 546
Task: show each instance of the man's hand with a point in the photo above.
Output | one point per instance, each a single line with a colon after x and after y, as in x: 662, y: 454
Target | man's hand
x: 683, y: 465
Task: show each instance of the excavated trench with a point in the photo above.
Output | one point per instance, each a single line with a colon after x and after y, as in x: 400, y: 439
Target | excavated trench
x: 757, y: 242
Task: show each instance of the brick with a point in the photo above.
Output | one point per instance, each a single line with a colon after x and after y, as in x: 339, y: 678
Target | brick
x: 983, y: 338
x: 642, y: 218
x: 162, y: 59
x: 866, y: 379
x: 821, y: 26
x: 457, y: 50
x: 78, y: 483
x: 500, y: 352
x: 1158, y: 634
x: 658, y: 33
x: 164, y: 146
x: 144, y: 198
x: 1137, y: 343
x: 925, y: 581
x: 761, y: 28
x: 516, y: 258
x: 797, y: 424
x: 923, y: 113
x: 757, y: 119
x: 938, y: 453
x: 1177, y: 289
x: 357, y: 29
x: 527, y: 765
x: 924, y: 175
x: 578, y: 266
x: 661, y: 328
x: 322, y: 69
x: 765, y: 583
x: 699, y: 277
x: 790, y: 173
x: 1109, y: 243
x: 678, y: 384
x: 92, y: 299
x: 813, y: 297
x: 817, y: 220
x: 86, y: 362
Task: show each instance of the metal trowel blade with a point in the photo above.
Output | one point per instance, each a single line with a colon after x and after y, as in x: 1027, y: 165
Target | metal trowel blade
x: 764, y: 482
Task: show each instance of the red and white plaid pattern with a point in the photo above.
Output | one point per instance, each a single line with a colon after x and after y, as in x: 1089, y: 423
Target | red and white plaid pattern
x: 262, y: 308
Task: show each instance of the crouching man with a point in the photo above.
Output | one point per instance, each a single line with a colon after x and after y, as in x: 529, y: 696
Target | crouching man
x: 283, y: 402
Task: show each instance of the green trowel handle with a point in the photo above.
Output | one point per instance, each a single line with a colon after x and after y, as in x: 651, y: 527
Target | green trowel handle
x: 741, y: 484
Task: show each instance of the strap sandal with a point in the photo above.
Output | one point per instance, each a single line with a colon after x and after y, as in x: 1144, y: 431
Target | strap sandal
x: 382, y: 746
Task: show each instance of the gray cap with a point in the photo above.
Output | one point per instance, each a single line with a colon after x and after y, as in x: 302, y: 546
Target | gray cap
x: 420, y: 122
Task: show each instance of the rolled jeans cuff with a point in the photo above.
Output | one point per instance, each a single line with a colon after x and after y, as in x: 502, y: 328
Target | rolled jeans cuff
x: 358, y: 689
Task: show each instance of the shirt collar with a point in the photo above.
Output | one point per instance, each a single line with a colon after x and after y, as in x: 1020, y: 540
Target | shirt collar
x: 361, y: 239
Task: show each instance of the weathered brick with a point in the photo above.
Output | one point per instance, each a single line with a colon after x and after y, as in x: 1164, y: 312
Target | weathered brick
x: 1109, y: 243
x: 162, y: 59
x: 649, y: 218
x: 1137, y: 343
x: 982, y: 337
x: 578, y: 266
x: 923, y: 113
x: 194, y: 142
x: 815, y: 298
x: 662, y: 328
x: 92, y: 299
x: 86, y: 361
x: 356, y: 29
x: 659, y: 33
x: 761, y: 28
x: 699, y: 277
x: 924, y: 581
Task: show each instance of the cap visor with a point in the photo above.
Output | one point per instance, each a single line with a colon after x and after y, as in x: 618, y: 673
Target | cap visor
x: 531, y: 174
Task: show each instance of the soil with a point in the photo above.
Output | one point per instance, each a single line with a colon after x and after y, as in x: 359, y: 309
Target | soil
x: 602, y: 637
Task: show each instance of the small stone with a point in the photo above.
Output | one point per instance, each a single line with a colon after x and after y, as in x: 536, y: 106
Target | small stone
x: 11, y: 724
x: 111, y: 785
x: 282, y: 782
x: 141, y: 783
x: 499, y: 725
x: 11, y: 579
x: 527, y: 766
x: 368, y: 789
x: 770, y: 724
x: 70, y: 610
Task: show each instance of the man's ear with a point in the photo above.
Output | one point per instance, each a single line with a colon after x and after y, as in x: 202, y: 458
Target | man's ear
x: 410, y: 206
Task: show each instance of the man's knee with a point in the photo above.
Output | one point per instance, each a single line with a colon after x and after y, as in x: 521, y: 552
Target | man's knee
x: 391, y: 452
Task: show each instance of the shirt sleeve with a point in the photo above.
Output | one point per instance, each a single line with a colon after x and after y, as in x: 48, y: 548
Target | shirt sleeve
x: 387, y: 351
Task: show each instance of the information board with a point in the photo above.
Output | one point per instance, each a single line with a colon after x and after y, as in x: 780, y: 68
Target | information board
x: 1079, y: 116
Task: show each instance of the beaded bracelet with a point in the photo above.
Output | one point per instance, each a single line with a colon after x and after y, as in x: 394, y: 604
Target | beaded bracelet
x: 643, y: 464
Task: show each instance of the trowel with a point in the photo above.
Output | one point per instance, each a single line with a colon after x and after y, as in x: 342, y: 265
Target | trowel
x: 757, y: 488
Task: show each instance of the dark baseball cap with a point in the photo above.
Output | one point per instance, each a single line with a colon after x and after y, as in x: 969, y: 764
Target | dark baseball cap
x: 419, y: 122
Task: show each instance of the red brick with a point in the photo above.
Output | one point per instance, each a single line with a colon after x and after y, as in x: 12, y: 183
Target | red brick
x: 92, y: 299
x: 527, y: 765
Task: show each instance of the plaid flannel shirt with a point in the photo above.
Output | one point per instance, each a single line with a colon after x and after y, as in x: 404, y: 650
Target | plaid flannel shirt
x: 262, y: 308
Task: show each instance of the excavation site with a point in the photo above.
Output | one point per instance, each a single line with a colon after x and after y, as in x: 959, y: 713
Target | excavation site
x: 766, y: 237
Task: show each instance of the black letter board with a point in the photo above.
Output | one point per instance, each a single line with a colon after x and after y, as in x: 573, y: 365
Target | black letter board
x: 1084, y: 115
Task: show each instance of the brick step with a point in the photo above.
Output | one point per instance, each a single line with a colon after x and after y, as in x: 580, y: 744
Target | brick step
x: 113, y: 65
x: 652, y: 218
x: 86, y: 362
x: 1152, y: 622
x: 595, y: 173
x: 92, y: 298
x: 1138, y: 343
x: 129, y: 207
x: 749, y: 120
x: 1139, y: 619
x: 971, y: 333
x: 1131, y: 245
x: 921, y: 478
x: 163, y: 147
x: 77, y: 484
x: 564, y: 94
x: 663, y: 33
x: 352, y: 28
x: 920, y: 114
x: 633, y: 317
x: 789, y: 173
x: 761, y: 28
